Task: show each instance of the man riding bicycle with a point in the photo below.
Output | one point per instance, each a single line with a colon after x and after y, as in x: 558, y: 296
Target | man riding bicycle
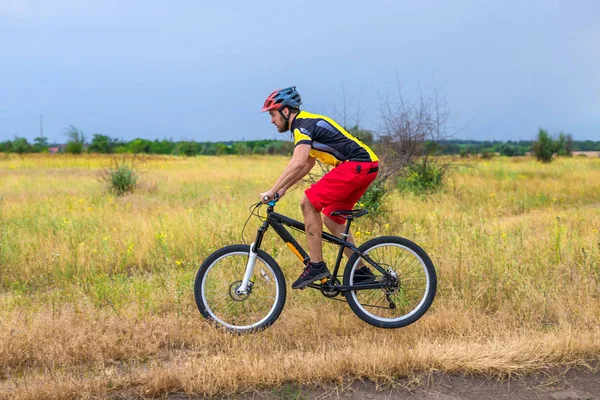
x: 355, y: 168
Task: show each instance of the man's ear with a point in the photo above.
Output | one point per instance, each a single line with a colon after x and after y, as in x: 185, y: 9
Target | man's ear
x: 286, y: 112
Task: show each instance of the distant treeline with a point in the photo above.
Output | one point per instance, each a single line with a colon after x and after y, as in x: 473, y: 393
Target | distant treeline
x: 103, y: 144
x: 509, y: 148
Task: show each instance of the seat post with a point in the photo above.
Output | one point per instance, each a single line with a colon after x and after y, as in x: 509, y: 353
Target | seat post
x: 342, y: 247
x: 347, y: 229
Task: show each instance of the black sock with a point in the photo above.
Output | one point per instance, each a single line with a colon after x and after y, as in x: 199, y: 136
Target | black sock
x: 319, y: 265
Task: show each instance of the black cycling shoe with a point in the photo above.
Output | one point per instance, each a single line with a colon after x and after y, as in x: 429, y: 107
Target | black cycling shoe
x: 312, y: 272
x: 363, y: 275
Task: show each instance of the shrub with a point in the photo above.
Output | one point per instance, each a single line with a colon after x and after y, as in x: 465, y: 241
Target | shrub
x: 121, y: 177
x: 372, y: 199
x: 564, y: 145
x: 544, y: 147
x: 21, y: 146
x: 76, y: 141
x: 423, y: 176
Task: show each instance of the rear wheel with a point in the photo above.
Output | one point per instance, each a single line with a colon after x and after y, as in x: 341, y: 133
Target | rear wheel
x: 410, y: 280
x: 221, y: 275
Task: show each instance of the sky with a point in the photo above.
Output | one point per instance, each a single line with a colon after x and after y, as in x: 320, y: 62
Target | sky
x: 201, y: 70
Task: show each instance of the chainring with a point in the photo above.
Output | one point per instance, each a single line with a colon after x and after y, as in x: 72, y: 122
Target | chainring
x: 328, y: 290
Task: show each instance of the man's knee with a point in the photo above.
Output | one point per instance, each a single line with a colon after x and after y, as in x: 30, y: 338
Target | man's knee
x: 329, y: 223
x: 306, y: 205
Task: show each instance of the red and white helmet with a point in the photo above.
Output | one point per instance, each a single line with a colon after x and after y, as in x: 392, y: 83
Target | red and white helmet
x: 282, y: 98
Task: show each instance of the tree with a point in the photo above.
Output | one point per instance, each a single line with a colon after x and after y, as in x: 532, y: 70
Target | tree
x: 544, y: 147
x: 347, y: 116
x: 6, y: 147
x: 162, y: 147
x: 364, y: 135
x: 40, y: 144
x: 187, y: 148
x: 564, y: 145
x: 508, y: 150
x: 241, y: 148
x: 411, y: 132
x: 21, y: 145
x: 138, y: 145
x: 102, y: 144
x: 223, y: 148
x: 76, y: 140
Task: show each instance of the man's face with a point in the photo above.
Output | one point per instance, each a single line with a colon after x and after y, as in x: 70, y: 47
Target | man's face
x: 278, y: 121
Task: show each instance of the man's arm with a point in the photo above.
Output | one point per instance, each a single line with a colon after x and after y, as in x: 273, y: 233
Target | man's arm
x: 300, y: 164
x: 310, y: 163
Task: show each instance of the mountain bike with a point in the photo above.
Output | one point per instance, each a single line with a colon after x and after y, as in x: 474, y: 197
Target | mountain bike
x: 242, y: 288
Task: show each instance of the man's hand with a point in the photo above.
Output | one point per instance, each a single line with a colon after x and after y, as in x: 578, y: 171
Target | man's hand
x: 268, y: 195
x: 271, y: 195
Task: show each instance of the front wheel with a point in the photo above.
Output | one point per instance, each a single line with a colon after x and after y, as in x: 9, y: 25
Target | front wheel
x: 410, y: 282
x: 219, y: 277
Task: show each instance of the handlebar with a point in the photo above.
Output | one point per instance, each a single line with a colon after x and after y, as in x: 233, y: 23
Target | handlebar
x: 273, y: 201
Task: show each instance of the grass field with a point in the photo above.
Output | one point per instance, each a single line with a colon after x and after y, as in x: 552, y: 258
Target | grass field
x: 96, y: 293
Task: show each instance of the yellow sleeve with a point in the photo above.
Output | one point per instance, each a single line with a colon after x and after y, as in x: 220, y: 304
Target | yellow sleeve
x: 301, y: 138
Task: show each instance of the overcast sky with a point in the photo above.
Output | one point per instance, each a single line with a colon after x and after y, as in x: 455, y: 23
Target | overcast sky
x: 201, y: 70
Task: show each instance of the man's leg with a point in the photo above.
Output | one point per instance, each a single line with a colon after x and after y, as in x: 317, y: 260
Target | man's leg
x: 314, y: 230
x: 316, y: 268
x: 337, y: 230
x: 363, y: 274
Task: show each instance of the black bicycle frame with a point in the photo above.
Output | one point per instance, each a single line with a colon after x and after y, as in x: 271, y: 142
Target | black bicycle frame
x: 277, y: 222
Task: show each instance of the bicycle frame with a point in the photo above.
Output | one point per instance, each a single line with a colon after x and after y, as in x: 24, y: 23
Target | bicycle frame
x: 277, y: 222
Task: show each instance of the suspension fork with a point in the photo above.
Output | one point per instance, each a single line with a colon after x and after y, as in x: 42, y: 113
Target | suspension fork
x: 243, y: 289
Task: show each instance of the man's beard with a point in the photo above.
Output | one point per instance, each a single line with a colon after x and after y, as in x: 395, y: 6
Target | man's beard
x: 283, y: 128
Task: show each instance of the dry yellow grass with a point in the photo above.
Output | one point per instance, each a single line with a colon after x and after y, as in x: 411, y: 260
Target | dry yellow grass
x: 96, y: 296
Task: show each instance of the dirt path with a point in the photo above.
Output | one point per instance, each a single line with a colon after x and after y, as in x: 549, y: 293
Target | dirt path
x: 558, y: 384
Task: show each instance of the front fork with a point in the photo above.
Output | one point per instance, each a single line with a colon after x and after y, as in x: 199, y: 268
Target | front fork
x: 243, y: 289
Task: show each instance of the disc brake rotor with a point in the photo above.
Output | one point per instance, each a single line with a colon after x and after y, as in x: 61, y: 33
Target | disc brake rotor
x: 239, y: 296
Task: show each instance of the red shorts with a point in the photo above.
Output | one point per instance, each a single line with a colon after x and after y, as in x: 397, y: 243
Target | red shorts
x: 342, y: 187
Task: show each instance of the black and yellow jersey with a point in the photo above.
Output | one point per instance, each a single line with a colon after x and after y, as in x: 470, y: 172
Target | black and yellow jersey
x: 330, y: 143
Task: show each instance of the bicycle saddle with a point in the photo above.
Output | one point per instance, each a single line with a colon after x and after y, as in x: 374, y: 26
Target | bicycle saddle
x: 350, y: 214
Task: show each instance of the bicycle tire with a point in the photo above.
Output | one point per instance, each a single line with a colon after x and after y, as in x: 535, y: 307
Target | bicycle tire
x: 222, y: 283
x: 413, y: 303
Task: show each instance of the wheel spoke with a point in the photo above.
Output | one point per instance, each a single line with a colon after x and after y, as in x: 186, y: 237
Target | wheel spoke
x: 216, y: 292
x: 412, y: 293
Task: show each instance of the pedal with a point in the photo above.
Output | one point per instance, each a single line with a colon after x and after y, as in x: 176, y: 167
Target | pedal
x: 324, y: 281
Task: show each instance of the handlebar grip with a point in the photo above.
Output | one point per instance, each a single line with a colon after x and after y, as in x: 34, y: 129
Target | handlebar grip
x: 275, y: 197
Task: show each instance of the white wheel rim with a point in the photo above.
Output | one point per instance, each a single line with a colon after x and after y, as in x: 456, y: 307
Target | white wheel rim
x: 416, y: 309
x: 219, y: 320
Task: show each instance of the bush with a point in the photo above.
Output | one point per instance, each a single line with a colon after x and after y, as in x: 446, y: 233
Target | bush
x: 76, y: 141
x: 544, y: 147
x: 564, y: 145
x: 423, y: 176
x: 372, y: 199
x: 74, y: 148
x: 121, y: 177
x: 21, y: 146
x: 187, y: 148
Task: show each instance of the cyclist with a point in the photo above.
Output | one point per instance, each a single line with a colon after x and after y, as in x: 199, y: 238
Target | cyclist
x: 355, y: 168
